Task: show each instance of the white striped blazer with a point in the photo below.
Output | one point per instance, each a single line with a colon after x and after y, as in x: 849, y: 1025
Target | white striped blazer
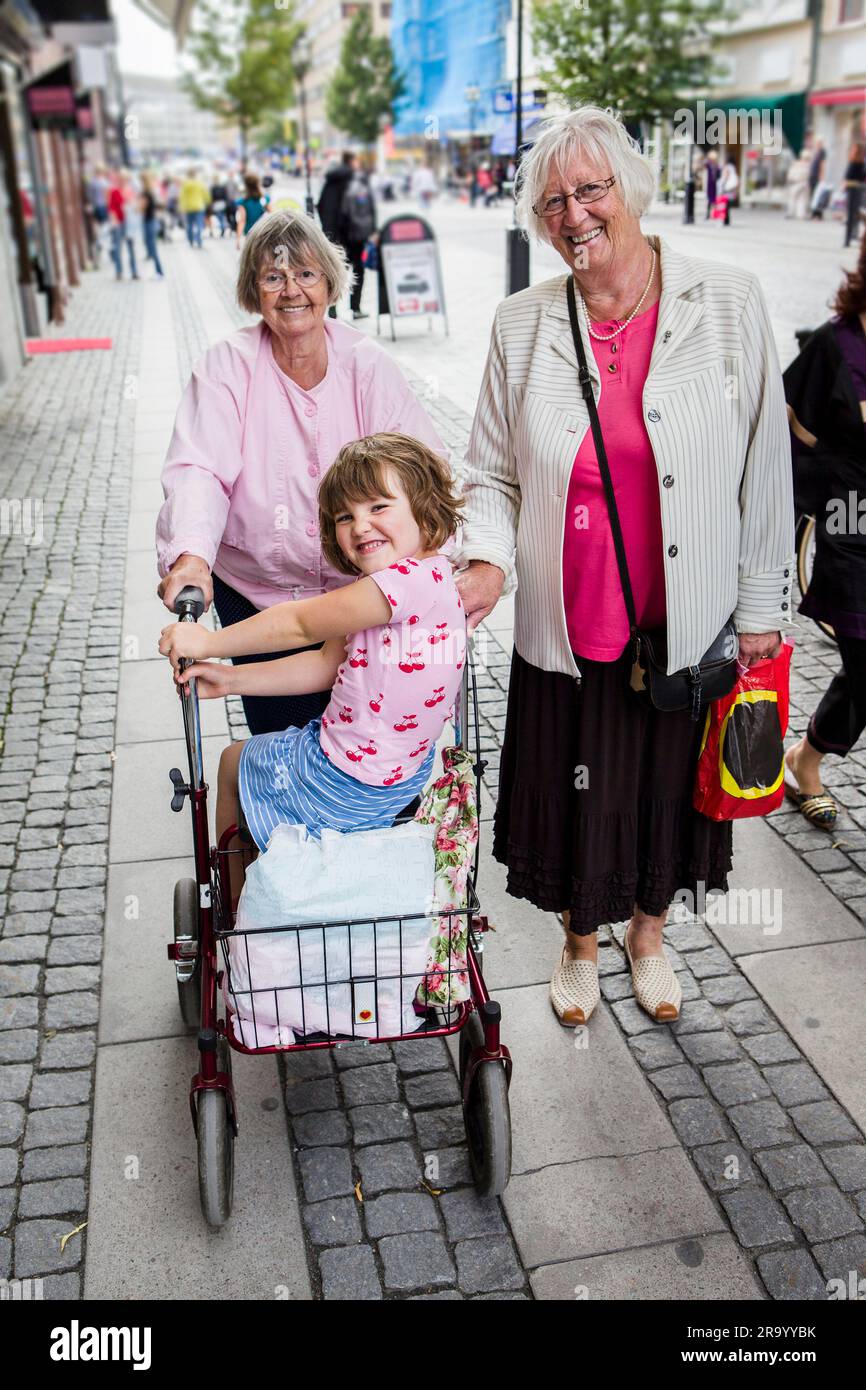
x: 715, y: 412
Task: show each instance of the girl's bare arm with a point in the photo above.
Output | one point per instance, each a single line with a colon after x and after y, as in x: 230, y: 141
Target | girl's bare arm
x: 285, y: 625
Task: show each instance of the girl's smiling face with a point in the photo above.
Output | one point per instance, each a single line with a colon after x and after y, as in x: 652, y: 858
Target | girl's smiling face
x: 379, y: 531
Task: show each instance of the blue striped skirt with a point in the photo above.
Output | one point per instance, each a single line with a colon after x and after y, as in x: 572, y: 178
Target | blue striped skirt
x: 285, y: 779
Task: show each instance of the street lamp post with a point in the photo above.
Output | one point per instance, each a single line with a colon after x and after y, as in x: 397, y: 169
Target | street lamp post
x: 472, y: 95
x: 302, y: 67
x: 689, y: 200
x: 516, y: 245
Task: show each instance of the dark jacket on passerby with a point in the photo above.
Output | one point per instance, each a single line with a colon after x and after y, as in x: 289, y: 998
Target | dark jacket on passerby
x: 357, y: 210
x: 825, y: 388
x: 330, y: 204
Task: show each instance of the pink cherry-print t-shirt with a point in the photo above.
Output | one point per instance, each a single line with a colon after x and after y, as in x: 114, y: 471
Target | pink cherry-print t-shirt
x: 396, y: 689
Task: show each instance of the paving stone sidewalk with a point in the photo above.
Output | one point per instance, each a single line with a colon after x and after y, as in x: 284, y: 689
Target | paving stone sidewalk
x: 66, y: 428
x: 782, y: 1160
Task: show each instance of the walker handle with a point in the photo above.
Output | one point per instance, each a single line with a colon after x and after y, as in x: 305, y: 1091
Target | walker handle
x: 189, y: 603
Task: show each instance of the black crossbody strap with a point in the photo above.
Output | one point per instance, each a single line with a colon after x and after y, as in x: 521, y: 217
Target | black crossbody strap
x: 595, y: 423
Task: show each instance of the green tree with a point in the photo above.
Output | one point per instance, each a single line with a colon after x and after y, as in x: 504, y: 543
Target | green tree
x: 241, y: 60
x: 366, y: 84
x: 639, y: 57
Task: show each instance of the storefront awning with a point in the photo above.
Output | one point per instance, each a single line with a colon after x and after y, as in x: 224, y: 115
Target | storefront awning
x: 755, y: 111
x: 839, y: 96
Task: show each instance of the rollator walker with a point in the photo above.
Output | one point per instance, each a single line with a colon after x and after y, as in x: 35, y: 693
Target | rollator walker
x: 205, y: 930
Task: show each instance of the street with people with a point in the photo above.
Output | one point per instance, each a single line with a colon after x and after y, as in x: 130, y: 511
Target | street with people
x: 434, y: 841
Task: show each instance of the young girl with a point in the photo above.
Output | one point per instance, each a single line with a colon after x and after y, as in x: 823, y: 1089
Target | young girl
x: 385, y: 509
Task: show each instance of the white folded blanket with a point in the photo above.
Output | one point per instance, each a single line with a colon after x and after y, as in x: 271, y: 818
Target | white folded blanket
x: 359, y: 981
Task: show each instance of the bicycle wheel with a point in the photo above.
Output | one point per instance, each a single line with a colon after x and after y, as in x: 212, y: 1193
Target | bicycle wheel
x: 188, y: 972
x: 486, y: 1115
x: 216, y: 1140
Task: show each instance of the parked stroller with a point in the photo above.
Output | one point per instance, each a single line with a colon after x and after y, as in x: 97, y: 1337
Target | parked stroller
x: 207, y: 940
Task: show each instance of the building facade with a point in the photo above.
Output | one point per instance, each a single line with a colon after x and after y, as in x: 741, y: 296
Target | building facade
x: 837, y: 101
x: 163, y: 123
x: 326, y: 23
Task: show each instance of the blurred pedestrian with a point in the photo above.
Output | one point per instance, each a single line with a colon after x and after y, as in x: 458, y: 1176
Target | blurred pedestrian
x: 120, y: 223
x: 330, y: 204
x: 711, y: 169
x: 344, y: 205
x: 172, y: 202
x: 233, y: 192
x: 729, y: 187
x: 825, y: 387
x: 252, y: 206
x: 854, y: 183
x: 797, y: 184
x: 218, y: 203
x: 484, y: 182
x: 595, y: 817
x: 817, y: 165
x: 424, y: 186
x: 150, y: 221
x: 357, y: 226
x: 193, y: 201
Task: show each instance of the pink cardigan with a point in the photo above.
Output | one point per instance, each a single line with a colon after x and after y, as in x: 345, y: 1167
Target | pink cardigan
x: 249, y: 449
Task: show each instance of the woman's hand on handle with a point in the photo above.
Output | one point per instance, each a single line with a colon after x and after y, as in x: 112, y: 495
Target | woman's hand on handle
x: 187, y: 569
x: 757, y: 646
x: 479, y: 586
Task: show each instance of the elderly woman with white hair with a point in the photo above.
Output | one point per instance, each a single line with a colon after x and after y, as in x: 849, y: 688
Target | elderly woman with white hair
x: 641, y: 501
x: 263, y: 418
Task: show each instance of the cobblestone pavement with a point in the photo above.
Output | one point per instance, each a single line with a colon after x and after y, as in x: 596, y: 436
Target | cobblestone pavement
x: 66, y: 427
x: 728, y: 1075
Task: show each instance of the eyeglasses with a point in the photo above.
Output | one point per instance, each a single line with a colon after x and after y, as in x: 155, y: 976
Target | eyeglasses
x: 586, y: 193
x: 277, y: 280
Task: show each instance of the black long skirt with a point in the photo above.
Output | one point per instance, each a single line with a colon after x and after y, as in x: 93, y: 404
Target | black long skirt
x: 595, y: 798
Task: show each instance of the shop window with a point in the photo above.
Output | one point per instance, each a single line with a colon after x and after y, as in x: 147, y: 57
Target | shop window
x: 849, y: 10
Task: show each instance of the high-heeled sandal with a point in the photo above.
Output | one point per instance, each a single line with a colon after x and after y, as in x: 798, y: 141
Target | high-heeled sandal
x: 655, y: 984
x: 574, y: 991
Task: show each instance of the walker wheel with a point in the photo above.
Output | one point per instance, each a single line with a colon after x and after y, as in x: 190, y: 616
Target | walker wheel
x: 216, y: 1139
x: 486, y: 1115
x: 186, y: 931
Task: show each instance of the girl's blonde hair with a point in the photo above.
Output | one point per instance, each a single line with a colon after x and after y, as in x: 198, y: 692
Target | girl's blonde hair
x: 358, y: 474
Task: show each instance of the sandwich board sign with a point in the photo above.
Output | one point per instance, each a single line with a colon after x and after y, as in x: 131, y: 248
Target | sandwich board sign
x: 410, y: 274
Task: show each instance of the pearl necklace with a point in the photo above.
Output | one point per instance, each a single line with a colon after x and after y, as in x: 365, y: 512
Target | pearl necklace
x: 606, y: 337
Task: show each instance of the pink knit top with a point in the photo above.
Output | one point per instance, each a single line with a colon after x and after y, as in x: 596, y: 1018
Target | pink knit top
x: 592, y: 592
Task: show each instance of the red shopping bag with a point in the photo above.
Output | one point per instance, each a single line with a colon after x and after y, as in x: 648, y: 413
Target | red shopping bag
x: 741, y: 765
x: 719, y: 208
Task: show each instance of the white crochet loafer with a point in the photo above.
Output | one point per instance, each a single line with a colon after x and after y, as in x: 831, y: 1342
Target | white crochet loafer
x: 574, y: 991
x: 656, y: 987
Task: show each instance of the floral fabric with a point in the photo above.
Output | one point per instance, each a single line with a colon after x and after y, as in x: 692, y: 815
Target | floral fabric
x: 451, y: 806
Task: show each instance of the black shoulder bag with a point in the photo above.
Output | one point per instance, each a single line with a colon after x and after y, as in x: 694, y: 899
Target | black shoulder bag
x: 716, y: 672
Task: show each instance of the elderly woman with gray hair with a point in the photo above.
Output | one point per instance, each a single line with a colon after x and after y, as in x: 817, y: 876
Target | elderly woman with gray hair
x: 264, y: 416
x: 646, y: 491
